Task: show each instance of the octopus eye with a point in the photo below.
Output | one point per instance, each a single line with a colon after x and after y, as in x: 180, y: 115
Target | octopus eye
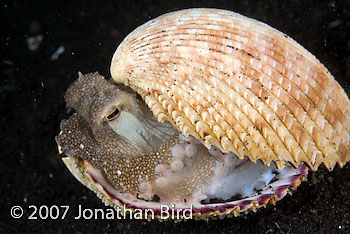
x: 113, y: 114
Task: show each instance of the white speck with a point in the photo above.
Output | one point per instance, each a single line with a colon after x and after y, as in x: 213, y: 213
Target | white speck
x: 58, y: 52
x: 81, y: 146
x: 69, y: 132
x: 25, y: 199
x: 33, y: 43
x: 119, y: 172
x: 339, y: 227
x: 50, y: 175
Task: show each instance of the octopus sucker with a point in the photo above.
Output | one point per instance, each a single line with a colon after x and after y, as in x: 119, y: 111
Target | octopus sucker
x: 206, y: 109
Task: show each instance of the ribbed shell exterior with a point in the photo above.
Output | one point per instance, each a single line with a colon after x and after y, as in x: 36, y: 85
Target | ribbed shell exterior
x: 239, y: 84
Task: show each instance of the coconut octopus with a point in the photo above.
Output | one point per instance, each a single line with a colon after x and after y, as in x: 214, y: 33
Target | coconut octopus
x: 212, y: 111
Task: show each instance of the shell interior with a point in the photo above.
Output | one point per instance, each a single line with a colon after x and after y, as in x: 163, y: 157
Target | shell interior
x: 95, y: 180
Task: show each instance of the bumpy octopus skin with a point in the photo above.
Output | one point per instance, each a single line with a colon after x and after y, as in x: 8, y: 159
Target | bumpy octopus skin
x: 129, y: 167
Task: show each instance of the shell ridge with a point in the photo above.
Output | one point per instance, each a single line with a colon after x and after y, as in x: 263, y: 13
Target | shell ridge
x: 176, y: 120
x: 275, y: 130
x: 311, y: 58
x: 310, y: 97
x: 248, y: 131
x: 241, y: 19
x: 246, y: 138
x: 323, y: 151
x: 310, y: 125
x: 218, y: 109
x: 209, y: 129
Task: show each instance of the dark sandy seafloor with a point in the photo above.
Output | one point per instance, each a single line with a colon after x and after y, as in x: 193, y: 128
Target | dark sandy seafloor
x: 32, y: 105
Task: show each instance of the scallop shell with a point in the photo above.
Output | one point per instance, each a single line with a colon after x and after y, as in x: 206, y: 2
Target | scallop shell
x: 237, y: 84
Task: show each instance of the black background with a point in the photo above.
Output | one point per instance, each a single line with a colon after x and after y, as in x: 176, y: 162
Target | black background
x: 32, y: 105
